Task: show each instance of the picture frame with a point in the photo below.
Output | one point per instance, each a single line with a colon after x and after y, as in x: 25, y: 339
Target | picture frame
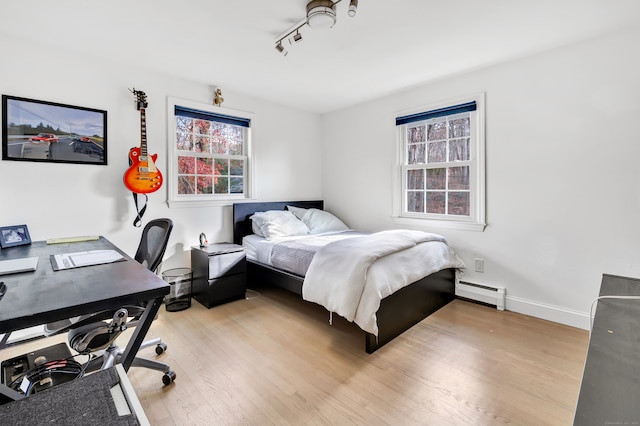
x: 17, y: 235
x: 50, y: 132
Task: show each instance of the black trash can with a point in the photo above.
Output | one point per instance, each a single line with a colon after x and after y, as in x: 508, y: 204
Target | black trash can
x: 179, y: 297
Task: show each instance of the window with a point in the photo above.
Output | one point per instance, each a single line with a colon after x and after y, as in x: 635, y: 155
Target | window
x: 210, y: 148
x: 441, y: 165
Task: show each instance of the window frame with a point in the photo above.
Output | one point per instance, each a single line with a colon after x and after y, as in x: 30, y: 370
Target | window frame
x: 477, y: 184
x: 197, y: 200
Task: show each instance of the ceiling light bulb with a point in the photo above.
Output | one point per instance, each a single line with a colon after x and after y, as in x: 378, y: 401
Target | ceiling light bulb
x: 297, y: 37
x: 321, y: 14
x: 353, y: 7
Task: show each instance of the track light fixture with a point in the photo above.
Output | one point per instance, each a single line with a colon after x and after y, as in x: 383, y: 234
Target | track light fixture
x: 321, y: 14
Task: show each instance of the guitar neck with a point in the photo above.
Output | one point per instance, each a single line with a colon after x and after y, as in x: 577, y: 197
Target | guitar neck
x: 143, y: 133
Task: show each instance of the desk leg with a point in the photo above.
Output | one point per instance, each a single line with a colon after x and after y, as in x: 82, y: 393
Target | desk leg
x: 5, y: 339
x: 140, y: 332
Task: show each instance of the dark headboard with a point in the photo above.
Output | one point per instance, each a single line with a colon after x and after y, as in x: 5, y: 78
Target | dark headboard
x: 242, y: 212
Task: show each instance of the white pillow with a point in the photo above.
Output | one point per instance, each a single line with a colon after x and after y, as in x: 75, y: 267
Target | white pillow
x: 318, y: 221
x: 255, y: 225
x: 277, y: 223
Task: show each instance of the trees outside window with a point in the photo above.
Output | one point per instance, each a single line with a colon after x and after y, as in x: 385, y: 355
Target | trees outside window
x: 211, y: 149
x: 441, y: 165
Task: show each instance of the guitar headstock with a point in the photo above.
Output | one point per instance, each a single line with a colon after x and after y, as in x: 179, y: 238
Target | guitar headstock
x: 141, y: 98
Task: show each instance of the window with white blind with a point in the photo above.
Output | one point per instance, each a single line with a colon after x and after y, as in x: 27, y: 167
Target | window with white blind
x: 440, y: 178
x: 210, y: 150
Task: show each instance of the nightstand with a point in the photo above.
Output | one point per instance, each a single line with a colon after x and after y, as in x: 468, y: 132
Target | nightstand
x: 219, y: 273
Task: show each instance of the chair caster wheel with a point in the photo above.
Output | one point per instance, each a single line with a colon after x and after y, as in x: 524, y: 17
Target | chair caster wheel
x: 168, y: 377
x: 160, y: 348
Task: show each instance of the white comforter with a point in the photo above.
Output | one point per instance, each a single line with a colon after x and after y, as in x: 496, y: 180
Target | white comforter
x: 350, y: 277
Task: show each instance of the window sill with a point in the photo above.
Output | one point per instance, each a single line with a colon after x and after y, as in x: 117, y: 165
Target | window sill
x: 444, y: 224
x: 204, y: 203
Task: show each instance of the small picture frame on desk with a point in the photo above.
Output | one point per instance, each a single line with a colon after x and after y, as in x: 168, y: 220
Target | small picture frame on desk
x: 16, y: 235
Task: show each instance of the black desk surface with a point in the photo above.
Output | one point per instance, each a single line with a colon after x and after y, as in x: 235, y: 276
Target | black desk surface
x: 43, y: 296
x: 610, y: 390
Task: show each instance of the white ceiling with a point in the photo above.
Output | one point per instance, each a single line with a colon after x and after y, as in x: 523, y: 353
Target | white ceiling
x: 386, y: 47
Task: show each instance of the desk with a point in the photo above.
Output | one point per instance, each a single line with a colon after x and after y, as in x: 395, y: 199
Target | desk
x: 45, y: 296
x: 611, y: 381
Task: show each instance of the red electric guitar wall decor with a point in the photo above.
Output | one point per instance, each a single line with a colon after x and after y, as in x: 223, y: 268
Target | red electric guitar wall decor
x: 142, y: 177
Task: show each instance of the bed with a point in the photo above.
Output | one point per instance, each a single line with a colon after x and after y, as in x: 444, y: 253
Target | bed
x: 397, y: 312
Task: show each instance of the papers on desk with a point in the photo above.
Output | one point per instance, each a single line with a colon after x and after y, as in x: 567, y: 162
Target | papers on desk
x: 84, y: 258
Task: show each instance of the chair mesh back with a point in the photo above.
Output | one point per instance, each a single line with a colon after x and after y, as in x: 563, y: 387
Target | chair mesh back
x: 153, y: 243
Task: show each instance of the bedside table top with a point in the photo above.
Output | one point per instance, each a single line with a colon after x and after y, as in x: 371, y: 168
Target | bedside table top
x: 219, y: 248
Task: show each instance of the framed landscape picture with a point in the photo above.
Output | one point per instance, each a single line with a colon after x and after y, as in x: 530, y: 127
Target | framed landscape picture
x: 34, y: 130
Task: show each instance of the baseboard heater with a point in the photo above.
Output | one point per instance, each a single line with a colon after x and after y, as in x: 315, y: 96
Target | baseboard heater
x: 493, y: 296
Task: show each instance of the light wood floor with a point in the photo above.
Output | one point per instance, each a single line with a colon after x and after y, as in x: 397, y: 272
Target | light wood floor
x: 274, y: 359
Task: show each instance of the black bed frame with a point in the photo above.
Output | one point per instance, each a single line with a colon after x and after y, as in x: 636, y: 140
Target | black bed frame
x: 397, y: 313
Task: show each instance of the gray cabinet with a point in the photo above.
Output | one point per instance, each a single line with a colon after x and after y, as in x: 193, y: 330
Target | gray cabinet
x: 610, y: 386
x: 219, y: 273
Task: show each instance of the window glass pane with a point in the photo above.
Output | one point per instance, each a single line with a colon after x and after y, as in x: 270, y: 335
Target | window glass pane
x: 415, y: 201
x: 437, y: 178
x: 184, y: 141
x: 237, y: 168
x: 184, y: 124
x: 416, y: 154
x: 186, y: 184
x: 219, y: 142
x: 204, y: 184
x: 186, y: 165
x: 218, y: 129
x: 415, y: 179
x: 437, y: 152
x: 235, y: 147
x: 202, y: 127
x: 435, y: 202
x: 221, y: 167
x: 221, y: 185
x: 416, y: 134
x: 204, y: 166
x: 459, y: 177
x: 459, y: 150
x: 237, y: 185
x: 203, y: 144
x: 460, y: 127
x: 438, y: 130
x: 234, y: 133
x: 459, y: 203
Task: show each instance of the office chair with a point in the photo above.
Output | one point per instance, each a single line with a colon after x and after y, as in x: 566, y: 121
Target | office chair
x: 90, y: 334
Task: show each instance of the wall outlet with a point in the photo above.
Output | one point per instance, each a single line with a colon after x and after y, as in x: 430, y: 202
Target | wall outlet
x: 479, y: 265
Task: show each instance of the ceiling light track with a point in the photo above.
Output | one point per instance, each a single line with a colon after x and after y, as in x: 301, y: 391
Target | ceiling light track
x: 321, y: 14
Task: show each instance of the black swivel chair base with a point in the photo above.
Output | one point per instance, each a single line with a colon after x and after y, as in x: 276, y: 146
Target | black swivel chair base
x: 110, y: 356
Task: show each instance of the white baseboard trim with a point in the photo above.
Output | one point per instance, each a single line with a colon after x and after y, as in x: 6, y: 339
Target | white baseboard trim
x: 548, y: 312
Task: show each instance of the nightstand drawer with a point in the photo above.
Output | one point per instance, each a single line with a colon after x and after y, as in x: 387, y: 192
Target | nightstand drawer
x: 227, y: 264
x: 221, y: 290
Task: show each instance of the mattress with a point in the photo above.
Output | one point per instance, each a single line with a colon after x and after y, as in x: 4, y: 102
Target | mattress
x: 291, y: 254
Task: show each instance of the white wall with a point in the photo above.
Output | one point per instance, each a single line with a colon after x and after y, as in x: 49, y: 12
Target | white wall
x: 58, y: 200
x: 563, y: 181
